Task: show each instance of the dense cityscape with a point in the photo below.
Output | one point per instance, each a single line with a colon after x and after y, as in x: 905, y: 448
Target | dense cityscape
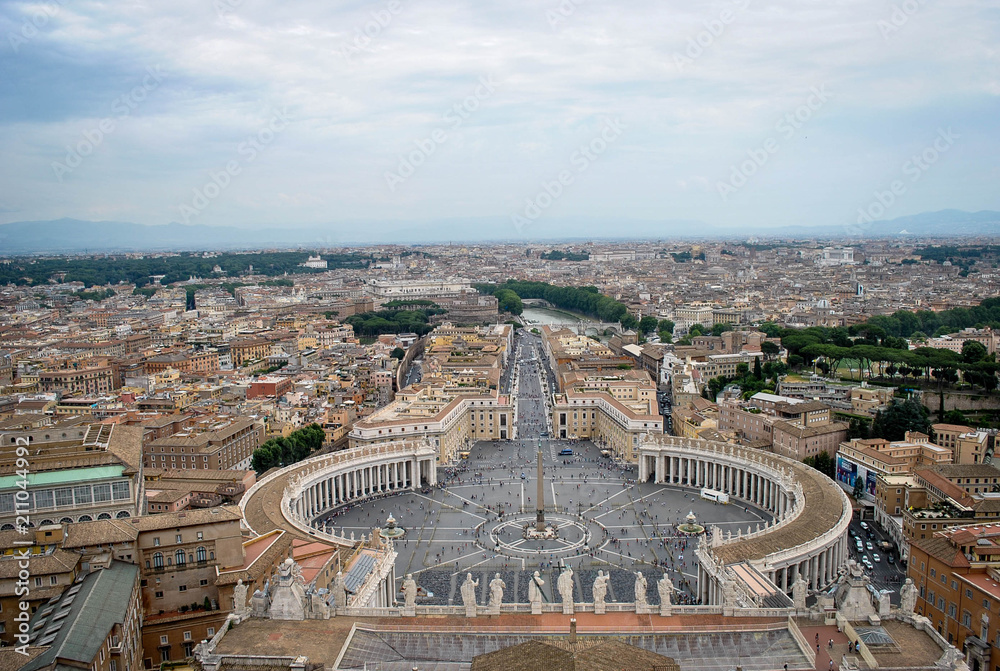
x: 220, y: 448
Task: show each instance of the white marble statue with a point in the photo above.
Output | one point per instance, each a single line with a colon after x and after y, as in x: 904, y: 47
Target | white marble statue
x: 469, y: 591
x: 497, y: 586
x: 409, y: 592
x: 535, y: 590
x: 799, y: 594
x: 339, y: 590
x: 565, y: 586
x: 640, y: 592
x: 666, y: 589
x: 240, y: 598
x: 600, y: 588
x: 907, y: 598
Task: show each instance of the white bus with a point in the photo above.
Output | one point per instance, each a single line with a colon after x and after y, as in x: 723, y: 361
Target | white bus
x: 712, y: 495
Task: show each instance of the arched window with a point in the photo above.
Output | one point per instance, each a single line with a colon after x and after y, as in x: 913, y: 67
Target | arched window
x: 202, y: 554
x: 86, y: 518
x: 66, y: 520
x: 123, y: 514
x: 157, y: 560
x: 179, y: 558
x: 104, y: 516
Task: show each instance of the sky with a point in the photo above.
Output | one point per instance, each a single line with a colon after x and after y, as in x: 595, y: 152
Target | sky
x: 735, y: 113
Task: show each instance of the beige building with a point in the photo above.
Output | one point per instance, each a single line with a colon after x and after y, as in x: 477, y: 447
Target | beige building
x: 221, y: 442
x: 180, y: 555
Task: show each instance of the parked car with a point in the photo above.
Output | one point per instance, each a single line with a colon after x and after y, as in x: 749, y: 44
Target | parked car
x: 876, y: 558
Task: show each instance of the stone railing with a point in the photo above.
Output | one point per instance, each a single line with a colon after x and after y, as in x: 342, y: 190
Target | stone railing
x: 804, y: 645
x: 483, y: 610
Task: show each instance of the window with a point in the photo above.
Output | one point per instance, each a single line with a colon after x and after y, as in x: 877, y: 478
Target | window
x: 203, y: 582
x: 158, y: 560
x: 179, y: 558
x: 182, y: 588
x: 163, y: 640
x: 968, y: 593
x: 102, y: 493
x: 187, y: 635
x: 114, y: 665
x: 178, y: 539
x: 159, y: 594
x: 202, y: 554
x: 53, y: 580
x: 201, y: 535
x: 38, y: 582
x: 952, y: 610
x: 81, y: 494
x: 966, y: 618
x: 210, y: 632
x: 119, y: 490
x: 156, y: 543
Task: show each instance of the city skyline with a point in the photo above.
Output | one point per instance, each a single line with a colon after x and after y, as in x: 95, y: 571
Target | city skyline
x: 731, y: 114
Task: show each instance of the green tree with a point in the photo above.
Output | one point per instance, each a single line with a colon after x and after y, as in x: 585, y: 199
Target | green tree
x: 719, y: 329
x: 973, y: 352
x: 398, y: 353
x: 769, y: 349
x: 894, y: 421
x: 956, y: 417
x: 696, y: 330
x: 648, y: 324
x: 666, y: 325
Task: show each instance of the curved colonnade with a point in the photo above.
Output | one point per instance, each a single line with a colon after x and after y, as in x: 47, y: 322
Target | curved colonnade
x: 808, y: 537
x: 314, y: 487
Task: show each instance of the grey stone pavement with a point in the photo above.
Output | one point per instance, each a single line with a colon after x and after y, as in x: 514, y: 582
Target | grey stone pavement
x: 473, y: 521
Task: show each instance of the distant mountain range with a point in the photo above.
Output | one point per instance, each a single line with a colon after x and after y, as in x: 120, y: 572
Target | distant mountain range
x: 76, y: 236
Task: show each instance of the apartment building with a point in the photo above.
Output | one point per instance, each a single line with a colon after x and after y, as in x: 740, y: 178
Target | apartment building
x: 613, y: 409
x: 244, y: 350
x: 180, y: 555
x: 788, y: 426
x: 87, y: 381
x: 216, y: 442
x: 957, y: 575
x: 52, y: 569
x: 451, y: 418
x: 950, y: 495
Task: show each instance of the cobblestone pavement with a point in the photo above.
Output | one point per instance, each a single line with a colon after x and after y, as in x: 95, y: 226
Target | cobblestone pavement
x: 447, y: 531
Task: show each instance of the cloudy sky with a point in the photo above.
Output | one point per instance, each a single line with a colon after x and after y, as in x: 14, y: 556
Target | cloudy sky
x: 258, y: 113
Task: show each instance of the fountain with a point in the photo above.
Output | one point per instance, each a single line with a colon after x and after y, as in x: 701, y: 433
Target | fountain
x: 690, y: 526
x: 390, y: 530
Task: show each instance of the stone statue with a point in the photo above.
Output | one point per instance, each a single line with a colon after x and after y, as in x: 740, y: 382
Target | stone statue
x: 409, y: 592
x: 907, y: 598
x: 565, y: 587
x: 666, y: 589
x: 799, y: 593
x: 535, y: 592
x: 600, y: 588
x: 240, y: 598
x: 640, y: 592
x: 497, y: 586
x: 469, y: 594
x: 339, y: 590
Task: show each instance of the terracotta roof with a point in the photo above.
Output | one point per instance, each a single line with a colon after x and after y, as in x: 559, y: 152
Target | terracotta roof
x: 99, y: 532
x: 185, y: 518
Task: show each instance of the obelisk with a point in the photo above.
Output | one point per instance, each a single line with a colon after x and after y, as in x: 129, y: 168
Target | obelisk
x: 540, y: 505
